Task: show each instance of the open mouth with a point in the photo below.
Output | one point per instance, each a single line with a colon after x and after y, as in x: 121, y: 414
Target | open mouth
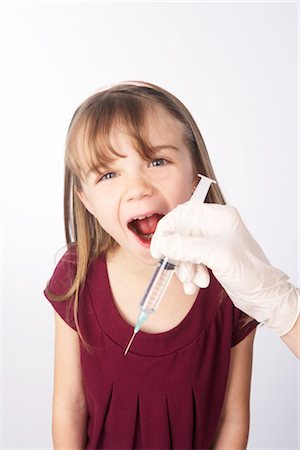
x: 144, y: 227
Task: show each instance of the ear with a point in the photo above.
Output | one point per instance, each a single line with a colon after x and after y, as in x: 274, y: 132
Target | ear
x: 83, y: 198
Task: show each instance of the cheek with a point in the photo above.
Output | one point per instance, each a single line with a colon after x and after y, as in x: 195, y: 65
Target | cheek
x: 105, y: 215
x: 186, y: 184
x: 180, y: 193
x: 107, y: 210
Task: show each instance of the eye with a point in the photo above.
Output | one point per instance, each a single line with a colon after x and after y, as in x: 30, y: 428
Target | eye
x: 107, y: 176
x: 158, y: 162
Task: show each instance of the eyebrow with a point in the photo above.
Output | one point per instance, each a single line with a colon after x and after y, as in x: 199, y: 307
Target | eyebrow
x: 94, y: 171
x: 160, y: 147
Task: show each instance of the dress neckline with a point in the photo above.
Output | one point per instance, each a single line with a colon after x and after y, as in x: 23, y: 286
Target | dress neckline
x: 145, y: 343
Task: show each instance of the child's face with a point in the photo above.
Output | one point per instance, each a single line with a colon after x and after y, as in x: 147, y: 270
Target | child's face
x: 131, y: 194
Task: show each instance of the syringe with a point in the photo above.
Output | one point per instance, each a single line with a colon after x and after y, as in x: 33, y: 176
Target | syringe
x: 166, y: 267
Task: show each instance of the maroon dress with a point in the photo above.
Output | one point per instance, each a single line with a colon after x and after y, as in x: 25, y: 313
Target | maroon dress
x: 167, y: 393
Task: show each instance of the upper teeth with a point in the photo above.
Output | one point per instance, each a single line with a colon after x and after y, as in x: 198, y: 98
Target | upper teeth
x: 141, y: 217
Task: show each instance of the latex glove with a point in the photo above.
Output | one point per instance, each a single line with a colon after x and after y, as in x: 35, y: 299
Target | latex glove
x: 219, y: 240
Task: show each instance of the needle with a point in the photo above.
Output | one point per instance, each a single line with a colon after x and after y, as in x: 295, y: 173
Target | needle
x: 129, y: 343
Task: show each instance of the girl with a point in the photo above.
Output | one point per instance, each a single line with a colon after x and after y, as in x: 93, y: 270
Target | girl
x: 133, y: 152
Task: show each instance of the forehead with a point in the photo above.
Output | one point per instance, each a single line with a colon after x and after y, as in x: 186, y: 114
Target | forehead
x: 158, y: 128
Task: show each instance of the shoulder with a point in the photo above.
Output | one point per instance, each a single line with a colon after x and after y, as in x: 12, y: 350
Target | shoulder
x: 60, y: 289
x: 60, y: 284
x: 64, y: 273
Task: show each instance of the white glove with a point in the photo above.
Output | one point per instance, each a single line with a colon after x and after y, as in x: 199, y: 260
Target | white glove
x: 218, y: 239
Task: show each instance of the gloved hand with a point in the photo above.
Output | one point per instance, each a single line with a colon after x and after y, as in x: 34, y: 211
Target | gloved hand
x: 219, y: 240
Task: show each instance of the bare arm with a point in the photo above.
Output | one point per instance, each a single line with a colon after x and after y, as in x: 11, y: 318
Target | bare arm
x: 234, y: 421
x: 292, y: 339
x: 69, y: 404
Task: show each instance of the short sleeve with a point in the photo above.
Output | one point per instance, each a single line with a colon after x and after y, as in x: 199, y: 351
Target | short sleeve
x: 59, y: 284
x: 242, y: 326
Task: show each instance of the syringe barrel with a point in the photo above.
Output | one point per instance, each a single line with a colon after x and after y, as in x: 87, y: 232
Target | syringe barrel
x: 158, y: 285
x: 166, y: 267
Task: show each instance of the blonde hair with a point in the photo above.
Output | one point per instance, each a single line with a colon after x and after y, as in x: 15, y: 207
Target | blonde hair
x: 88, y: 140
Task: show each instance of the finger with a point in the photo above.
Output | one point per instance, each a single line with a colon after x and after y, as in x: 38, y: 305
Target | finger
x: 197, y: 219
x: 201, y: 276
x: 185, y: 271
x: 190, y: 288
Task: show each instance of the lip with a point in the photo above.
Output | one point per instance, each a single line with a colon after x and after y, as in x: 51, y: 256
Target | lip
x: 142, y: 241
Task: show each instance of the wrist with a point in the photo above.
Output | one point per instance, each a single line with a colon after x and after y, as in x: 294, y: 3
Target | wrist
x: 285, y: 312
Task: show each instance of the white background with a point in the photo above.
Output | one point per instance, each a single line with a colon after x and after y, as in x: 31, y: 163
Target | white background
x: 235, y: 66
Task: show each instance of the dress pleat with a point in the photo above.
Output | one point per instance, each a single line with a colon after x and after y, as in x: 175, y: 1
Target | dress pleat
x: 195, y: 419
x: 155, y: 420
x: 121, y: 422
x: 137, y: 442
x: 97, y: 427
x: 169, y: 423
x: 180, y: 405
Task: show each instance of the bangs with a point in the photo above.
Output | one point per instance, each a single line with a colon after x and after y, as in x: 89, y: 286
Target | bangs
x: 89, y: 145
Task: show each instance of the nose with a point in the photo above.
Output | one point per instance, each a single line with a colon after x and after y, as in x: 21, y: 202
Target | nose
x: 137, y: 187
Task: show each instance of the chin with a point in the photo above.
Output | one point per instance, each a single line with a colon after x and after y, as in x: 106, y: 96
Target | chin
x: 147, y: 259
x: 144, y: 256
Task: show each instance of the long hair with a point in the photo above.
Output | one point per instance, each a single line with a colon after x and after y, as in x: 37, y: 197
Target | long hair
x: 88, y: 140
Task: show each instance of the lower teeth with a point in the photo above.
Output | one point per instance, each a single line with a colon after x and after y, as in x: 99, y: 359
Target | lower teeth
x: 147, y: 236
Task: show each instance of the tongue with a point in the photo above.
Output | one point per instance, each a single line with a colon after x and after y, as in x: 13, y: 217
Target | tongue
x: 147, y: 225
